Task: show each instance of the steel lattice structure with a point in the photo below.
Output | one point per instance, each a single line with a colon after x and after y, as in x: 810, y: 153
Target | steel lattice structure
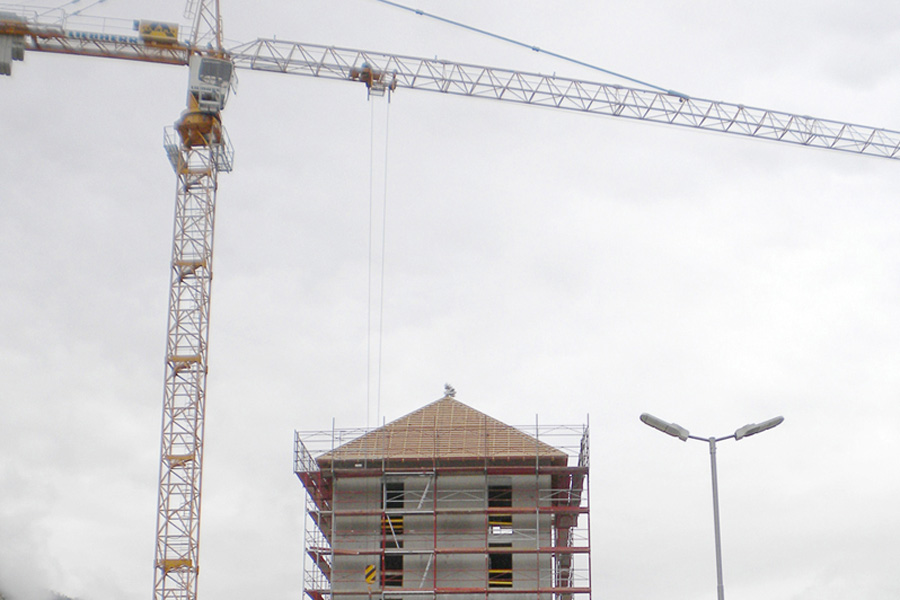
x: 383, y: 71
x: 558, y: 92
x: 198, y: 150
x: 181, y: 446
x: 207, y: 24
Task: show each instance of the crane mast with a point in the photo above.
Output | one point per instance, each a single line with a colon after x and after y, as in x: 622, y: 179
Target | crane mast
x: 198, y: 149
x: 207, y: 24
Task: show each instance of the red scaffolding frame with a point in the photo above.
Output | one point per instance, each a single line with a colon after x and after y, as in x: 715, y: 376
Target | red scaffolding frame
x: 442, y: 532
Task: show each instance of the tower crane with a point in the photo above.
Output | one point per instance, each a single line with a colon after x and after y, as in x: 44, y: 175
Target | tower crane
x: 198, y: 148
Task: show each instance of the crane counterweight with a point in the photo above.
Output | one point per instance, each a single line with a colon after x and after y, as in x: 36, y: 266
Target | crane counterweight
x: 12, y: 41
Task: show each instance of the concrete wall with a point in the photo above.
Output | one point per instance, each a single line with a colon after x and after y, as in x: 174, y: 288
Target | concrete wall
x: 460, y: 524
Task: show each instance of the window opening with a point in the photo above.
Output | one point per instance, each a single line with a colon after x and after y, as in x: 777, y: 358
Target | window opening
x: 393, y: 495
x: 500, y: 573
x: 392, y: 564
x: 392, y: 524
x: 500, y: 496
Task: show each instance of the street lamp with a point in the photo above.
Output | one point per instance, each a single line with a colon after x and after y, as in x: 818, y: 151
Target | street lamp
x: 684, y: 435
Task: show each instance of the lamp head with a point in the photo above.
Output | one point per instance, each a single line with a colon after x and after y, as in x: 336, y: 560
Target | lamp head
x: 754, y: 428
x: 672, y: 429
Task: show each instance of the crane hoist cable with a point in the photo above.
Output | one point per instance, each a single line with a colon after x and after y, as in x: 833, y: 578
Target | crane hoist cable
x: 379, y: 326
x: 509, y: 40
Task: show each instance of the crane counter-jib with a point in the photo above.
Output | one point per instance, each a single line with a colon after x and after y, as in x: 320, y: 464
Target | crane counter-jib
x: 141, y: 40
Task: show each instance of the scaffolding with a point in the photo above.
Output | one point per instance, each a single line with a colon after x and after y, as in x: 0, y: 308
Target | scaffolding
x: 432, y: 506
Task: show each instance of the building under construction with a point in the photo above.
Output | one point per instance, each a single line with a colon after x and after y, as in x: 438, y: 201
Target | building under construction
x: 446, y: 503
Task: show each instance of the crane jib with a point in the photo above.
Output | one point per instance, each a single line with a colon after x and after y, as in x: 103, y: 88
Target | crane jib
x: 383, y: 73
x: 670, y: 108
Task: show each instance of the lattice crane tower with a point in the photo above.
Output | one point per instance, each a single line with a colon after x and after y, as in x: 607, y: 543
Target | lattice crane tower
x: 199, y: 150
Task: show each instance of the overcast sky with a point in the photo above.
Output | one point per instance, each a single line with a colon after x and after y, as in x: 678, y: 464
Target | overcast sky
x: 543, y: 263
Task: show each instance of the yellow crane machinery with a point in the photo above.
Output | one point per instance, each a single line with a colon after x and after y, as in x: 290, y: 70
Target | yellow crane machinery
x: 199, y: 149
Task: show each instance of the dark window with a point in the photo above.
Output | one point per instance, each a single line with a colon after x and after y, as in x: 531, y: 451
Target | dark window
x: 499, y: 496
x: 392, y: 564
x: 392, y: 524
x: 393, y: 495
x: 500, y: 572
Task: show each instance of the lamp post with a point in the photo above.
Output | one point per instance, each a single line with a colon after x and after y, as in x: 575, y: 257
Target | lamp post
x: 684, y: 435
